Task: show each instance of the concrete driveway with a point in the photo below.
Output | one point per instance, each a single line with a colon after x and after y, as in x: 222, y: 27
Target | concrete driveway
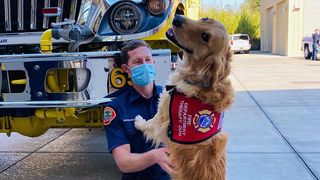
x: 273, y: 130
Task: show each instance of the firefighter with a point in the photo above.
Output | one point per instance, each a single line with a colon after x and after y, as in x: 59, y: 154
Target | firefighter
x: 315, y: 44
x: 134, y: 156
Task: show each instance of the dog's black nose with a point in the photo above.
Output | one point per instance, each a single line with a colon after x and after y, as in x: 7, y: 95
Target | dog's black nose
x: 178, y: 20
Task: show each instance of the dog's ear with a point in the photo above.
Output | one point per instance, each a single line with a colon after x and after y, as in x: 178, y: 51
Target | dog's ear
x: 229, y: 54
x: 228, y: 59
x: 217, y: 68
x: 211, y: 70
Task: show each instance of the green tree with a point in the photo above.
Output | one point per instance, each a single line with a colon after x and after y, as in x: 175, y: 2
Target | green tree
x: 249, y: 24
x: 253, y: 5
x: 228, y: 17
x: 246, y: 20
x: 249, y: 21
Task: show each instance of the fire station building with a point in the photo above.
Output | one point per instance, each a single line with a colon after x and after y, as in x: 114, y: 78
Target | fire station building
x: 285, y: 22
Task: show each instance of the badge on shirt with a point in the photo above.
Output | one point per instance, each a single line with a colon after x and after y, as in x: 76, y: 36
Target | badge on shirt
x: 109, y: 114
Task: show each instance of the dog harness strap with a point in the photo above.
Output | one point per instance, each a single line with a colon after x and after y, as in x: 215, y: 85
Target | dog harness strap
x: 170, y: 87
x: 192, y: 121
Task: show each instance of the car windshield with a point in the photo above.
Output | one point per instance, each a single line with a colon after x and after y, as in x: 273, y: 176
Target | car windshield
x: 242, y: 37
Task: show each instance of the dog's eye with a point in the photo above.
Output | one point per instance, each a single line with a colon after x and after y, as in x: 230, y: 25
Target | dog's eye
x: 205, y: 19
x: 205, y: 37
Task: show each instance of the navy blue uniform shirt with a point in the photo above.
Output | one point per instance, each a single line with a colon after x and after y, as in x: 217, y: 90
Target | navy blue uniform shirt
x: 316, y: 38
x: 121, y: 129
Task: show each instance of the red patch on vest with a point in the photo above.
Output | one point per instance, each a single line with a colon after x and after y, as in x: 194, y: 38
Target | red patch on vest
x: 109, y: 114
x: 192, y: 121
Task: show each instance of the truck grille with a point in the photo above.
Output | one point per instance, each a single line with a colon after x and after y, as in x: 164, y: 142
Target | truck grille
x: 26, y: 16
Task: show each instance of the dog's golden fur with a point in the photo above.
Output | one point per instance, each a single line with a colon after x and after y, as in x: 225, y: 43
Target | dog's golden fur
x: 202, y: 74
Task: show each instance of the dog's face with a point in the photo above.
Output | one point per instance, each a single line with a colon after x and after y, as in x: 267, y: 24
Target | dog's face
x: 199, y: 39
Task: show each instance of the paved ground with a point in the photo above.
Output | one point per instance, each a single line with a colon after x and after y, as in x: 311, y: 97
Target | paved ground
x: 273, y: 128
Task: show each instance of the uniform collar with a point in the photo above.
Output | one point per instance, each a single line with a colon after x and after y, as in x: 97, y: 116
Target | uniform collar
x: 134, y: 95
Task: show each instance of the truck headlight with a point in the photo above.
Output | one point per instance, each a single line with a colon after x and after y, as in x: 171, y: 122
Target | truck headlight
x: 125, y: 18
x: 156, y: 7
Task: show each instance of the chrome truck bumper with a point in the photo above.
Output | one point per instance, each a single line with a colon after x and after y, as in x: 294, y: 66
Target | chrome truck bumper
x: 25, y: 80
x: 25, y: 38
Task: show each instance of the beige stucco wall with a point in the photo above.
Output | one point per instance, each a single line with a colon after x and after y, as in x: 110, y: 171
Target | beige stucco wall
x: 286, y: 24
x: 311, y: 16
x: 296, y: 24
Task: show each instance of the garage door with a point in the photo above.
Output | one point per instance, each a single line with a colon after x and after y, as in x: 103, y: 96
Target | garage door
x: 269, y: 32
x: 282, y: 28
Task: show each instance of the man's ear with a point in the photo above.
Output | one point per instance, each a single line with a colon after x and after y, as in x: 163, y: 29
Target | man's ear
x: 124, y: 68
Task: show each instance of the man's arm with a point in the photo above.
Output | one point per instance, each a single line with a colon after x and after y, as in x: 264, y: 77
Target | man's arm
x: 133, y: 162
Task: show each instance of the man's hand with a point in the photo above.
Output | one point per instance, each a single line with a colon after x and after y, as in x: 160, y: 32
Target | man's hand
x: 161, y: 157
x: 134, y: 162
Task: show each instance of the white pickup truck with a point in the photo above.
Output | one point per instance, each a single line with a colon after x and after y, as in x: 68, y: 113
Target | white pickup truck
x: 306, y: 46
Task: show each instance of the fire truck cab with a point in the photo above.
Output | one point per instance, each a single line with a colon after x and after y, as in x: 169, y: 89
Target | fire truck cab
x: 63, y: 80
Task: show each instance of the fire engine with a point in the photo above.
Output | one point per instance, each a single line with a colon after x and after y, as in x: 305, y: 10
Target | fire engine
x: 63, y: 81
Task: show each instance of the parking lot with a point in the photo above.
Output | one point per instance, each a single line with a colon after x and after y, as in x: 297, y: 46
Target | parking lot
x: 273, y: 130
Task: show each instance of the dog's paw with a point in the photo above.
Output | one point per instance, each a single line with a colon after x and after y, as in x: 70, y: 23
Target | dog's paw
x: 139, y: 123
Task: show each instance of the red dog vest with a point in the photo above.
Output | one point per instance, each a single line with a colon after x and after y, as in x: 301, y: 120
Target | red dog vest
x: 192, y: 121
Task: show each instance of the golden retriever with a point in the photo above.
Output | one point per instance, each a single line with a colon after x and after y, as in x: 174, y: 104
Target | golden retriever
x: 203, y: 75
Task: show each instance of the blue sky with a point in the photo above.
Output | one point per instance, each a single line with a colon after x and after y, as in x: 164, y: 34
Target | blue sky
x: 234, y: 3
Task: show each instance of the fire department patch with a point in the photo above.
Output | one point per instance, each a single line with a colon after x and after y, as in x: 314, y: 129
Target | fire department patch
x: 204, y: 120
x: 109, y: 114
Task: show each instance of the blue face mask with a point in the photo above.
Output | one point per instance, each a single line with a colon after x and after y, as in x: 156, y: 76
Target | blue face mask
x: 143, y: 74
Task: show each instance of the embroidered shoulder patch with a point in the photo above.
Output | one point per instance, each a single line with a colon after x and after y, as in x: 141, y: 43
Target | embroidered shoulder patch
x: 108, y: 115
